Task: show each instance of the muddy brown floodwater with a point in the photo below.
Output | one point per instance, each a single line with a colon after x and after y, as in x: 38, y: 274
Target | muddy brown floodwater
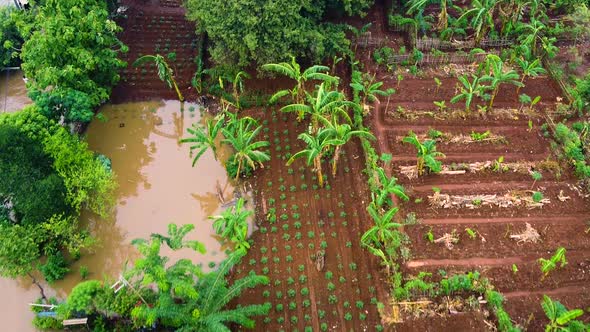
x: 13, y: 93
x: 157, y: 186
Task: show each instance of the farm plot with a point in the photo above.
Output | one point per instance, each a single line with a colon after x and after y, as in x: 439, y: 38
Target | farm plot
x: 156, y: 29
x: 501, y: 202
x: 307, y: 241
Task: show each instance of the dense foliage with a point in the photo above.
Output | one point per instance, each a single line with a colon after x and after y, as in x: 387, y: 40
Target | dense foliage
x: 262, y: 31
x: 173, y: 295
x: 70, y: 58
x: 47, y: 177
x: 10, y: 39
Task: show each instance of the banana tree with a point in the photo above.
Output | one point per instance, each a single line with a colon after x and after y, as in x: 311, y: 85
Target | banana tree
x: 238, y: 87
x: 203, y: 137
x: 529, y: 69
x: 165, y: 73
x: 317, y: 145
x: 370, y: 90
x: 383, y: 239
x: 247, y: 151
x: 481, y: 14
x: 531, y: 34
x: 387, y: 187
x: 293, y: 71
x: 498, y: 76
x: 324, y: 102
x: 417, y: 6
x: 561, y: 319
x: 468, y: 90
x: 232, y: 225
x: 343, y: 133
x: 426, y: 153
x: 358, y: 33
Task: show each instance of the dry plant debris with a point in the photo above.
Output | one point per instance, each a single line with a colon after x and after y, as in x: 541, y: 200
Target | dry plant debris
x: 510, y: 199
x: 530, y: 235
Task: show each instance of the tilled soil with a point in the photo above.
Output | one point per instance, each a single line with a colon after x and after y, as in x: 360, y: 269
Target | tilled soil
x: 339, y: 294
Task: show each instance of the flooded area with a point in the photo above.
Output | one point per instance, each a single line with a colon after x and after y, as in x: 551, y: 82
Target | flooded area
x: 13, y: 93
x: 157, y: 186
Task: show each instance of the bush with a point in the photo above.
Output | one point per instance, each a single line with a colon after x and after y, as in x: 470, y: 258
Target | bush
x: 55, y: 268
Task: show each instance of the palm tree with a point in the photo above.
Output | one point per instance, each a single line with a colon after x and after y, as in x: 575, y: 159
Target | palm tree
x: 317, y: 145
x: 468, y: 91
x: 529, y: 69
x: 204, y: 137
x: 482, y: 17
x: 241, y: 137
x: 342, y: 133
x: 232, y: 225
x: 293, y: 71
x: 370, y: 90
x: 185, y: 298
x: 498, y: 76
x: 215, y: 294
x: 164, y: 71
x: 426, y: 153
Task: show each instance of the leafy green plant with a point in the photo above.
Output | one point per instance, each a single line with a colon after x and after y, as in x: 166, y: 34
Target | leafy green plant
x: 548, y: 265
x: 426, y: 153
x: 204, y: 137
x: 468, y: 90
x: 165, y: 73
x: 232, y: 225
x: 561, y: 319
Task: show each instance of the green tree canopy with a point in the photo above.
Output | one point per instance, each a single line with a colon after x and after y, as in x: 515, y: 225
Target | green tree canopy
x: 47, y: 176
x: 10, y: 38
x: 71, y: 59
x: 268, y: 31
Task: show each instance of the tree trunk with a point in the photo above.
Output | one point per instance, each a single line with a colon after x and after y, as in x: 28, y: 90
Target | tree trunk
x: 318, y: 167
x: 335, y: 160
x: 494, y: 93
x: 518, y: 87
x: 180, y: 97
x: 38, y: 285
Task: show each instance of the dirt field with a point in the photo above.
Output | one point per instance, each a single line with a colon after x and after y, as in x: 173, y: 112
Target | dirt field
x: 560, y: 222
x: 156, y: 27
x: 339, y: 294
x: 308, y: 238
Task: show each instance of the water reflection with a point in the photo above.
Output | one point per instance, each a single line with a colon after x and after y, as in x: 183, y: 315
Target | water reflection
x: 13, y: 93
x: 157, y: 186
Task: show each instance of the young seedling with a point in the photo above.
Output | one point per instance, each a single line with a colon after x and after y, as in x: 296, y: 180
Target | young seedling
x: 472, y: 234
x: 438, y: 85
x: 478, y: 137
x: 429, y: 236
x: 400, y: 78
x: 548, y: 265
x: 537, y: 196
x: 536, y: 177
x: 498, y: 164
x: 441, y: 105
x: 514, y: 268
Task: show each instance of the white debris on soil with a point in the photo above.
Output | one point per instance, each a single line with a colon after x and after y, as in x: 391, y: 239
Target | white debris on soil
x: 510, y: 199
